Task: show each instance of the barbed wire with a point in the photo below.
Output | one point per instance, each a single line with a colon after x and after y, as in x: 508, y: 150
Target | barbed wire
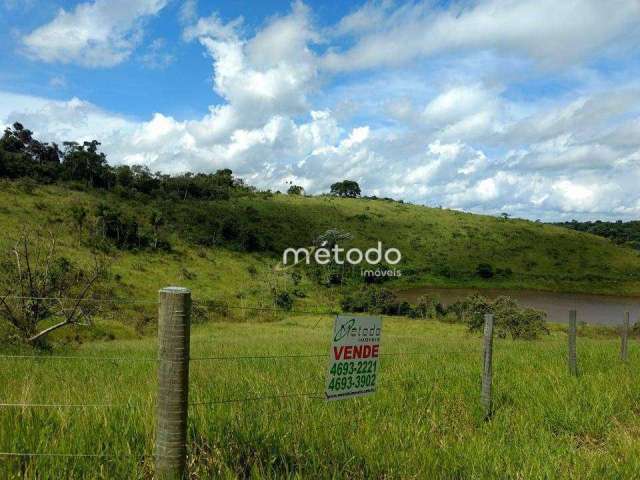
x: 64, y: 455
x: 258, y: 357
x: 77, y: 357
x: 87, y: 299
x: 384, y: 385
x: 63, y: 405
x: 222, y: 357
x: 256, y: 399
x: 211, y: 303
x: 325, y: 355
x: 317, y: 395
x: 224, y: 306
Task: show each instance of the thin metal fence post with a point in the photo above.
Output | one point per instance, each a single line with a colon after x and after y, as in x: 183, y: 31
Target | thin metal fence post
x: 573, y: 361
x: 487, y: 372
x: 624, y: 344
x: 174, y: 321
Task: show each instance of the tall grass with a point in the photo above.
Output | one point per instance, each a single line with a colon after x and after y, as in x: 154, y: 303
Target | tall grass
x: 425, y: 421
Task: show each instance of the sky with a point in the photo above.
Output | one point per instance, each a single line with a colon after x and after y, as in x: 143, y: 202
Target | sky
x: 530, y: 107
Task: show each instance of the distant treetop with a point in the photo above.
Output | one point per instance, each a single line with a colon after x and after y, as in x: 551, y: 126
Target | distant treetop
x: 346, y: 188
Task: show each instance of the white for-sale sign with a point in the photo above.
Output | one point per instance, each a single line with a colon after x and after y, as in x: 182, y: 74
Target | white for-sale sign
x: 353, y: 365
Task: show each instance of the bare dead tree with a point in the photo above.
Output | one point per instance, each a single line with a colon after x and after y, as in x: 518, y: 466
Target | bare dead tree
x: 39, y: 285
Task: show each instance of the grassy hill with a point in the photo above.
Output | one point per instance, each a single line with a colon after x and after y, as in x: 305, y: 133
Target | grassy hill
x: 227, y: 249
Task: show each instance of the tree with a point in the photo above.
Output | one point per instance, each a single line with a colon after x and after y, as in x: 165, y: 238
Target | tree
x: 295, y: 190
x: 22, y: 155
x: 119, y: 227
x: 157, y: 221
x: 41, y: 285
x: 346, y: 188
x: 332, y: 272
x: 78, y: 215
x: 85, y: 163
x: 505, y: 215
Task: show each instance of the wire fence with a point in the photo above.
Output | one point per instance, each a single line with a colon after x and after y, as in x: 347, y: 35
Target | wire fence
x: 216, y: 304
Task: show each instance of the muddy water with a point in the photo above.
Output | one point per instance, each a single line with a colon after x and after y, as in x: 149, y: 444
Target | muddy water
x: 595, y: 309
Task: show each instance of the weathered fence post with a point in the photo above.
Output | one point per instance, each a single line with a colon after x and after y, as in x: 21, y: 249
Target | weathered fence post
x: 573, y: 362
x: 624, y: 345
x: 173, y: 382
x: 487, y: 372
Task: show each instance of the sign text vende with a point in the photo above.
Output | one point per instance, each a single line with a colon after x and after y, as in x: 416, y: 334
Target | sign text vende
x: 352, y: 352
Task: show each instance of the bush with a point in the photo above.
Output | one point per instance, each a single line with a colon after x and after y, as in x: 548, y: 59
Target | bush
x: 27, y: 185
x: 458, y: 310
x: 199, y: 313
x: 509, y: 317
x: 295, y: 190
x: 485, y: 270
x: 427, y: 307
x: 283, y: 300
x: 375, y: 300
x: 119, y: 228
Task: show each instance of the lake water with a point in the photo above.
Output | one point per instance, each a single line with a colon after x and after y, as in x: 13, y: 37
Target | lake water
x: 595, y: 309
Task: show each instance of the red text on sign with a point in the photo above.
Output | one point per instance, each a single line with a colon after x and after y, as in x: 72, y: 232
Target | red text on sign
x: 353, y: 352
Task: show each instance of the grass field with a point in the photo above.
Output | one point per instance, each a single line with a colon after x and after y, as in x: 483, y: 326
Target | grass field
x: 425, y: 421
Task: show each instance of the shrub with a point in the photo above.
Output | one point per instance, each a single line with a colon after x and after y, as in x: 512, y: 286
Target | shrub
x: 295, y: 190
x: 356, y: 302
x: 299, y: 293
x: 199, y: 313
x: 296, y: 278
x: 27, y: 185
x: 283, y: 300
x: 485, y: 270
x: 509, y: 317
x: 218, y: 308
x: 119, y: 228
x: 427, y: 307
x: 457, y: 310
x: 375, y: 300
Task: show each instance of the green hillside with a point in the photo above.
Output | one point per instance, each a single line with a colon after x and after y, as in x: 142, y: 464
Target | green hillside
x: 208, y: 248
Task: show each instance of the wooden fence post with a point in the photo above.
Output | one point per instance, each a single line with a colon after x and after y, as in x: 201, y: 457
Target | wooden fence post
x: 573, y: 362
x: 624, y: 346
x: 487, y: 373
x: 174, y: 321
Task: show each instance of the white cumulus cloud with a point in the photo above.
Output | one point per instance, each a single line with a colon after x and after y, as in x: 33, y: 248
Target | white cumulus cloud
x: 551, y: 32
x: 102, y: 33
